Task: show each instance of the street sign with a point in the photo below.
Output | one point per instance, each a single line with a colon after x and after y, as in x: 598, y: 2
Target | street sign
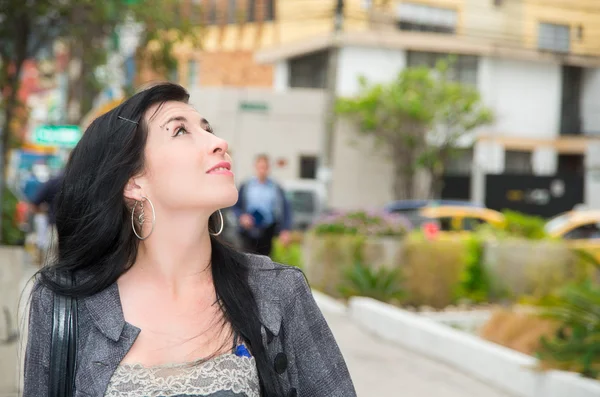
x: 57, y: 135
x: 253, y: 106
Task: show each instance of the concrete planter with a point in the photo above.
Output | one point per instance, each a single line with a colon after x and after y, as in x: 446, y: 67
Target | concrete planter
x: 533, y: 268
x: 326, y: 257
x: 508, y: 370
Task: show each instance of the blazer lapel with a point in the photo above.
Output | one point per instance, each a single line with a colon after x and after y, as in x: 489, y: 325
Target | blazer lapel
x: 108, y: 342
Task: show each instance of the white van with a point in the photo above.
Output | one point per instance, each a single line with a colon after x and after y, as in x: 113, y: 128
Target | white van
x: 307, y: 198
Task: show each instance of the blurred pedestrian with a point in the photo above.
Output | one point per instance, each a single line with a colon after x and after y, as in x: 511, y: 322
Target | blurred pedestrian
x: 263, y: 211
x: 162, y: 306
x: 43, y: 208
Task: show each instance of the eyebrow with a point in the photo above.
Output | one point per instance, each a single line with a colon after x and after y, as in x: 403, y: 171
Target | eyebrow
x: 203, y: 122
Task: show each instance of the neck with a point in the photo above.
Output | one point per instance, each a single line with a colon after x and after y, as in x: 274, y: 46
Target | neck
x: 177, y: 254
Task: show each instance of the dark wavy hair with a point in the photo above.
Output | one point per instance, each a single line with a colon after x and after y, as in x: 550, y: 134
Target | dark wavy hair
x: 96, y: 241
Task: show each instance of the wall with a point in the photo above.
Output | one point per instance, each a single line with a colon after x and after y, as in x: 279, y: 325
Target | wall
x: 575, y: 13
x: 526, y: 96
x: 498, y: 24
x: 292, y: 125
x: 376, y: 64
x: 362, y: 175
x: 590, y: 102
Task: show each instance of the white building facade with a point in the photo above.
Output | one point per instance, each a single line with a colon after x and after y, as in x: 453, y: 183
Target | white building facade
x: 526, y: 93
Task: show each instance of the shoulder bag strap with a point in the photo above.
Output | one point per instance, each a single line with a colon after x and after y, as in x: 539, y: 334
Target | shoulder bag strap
x: 63, y: 353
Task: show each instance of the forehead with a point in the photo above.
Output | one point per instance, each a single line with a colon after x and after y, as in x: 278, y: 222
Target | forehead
x: 158, y: 114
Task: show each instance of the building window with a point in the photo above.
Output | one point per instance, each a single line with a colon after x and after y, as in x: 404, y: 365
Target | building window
x: 423, y: 18
x: 212, y: 12
x: 552, y: 37
x: 308, y: 167
x: 517, y: 162
x: 251, y: 12
x: 309, y: 71
x: 464, y: 68
x: 192, y: 73
x: 460, y: 162
x: 269, y: 10
x: 571, y: 164
x: 232, y: 11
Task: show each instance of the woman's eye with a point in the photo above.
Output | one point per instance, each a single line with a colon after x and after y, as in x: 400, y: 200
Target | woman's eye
x: 180, y: 131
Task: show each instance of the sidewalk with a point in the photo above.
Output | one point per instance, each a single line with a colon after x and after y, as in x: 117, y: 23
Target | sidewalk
x: 381, y: 370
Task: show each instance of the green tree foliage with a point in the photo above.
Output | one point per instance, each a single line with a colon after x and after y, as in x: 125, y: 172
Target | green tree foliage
x: 419, y: 118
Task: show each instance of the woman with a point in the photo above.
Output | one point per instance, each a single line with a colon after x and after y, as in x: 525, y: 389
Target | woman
x: 164, y: 308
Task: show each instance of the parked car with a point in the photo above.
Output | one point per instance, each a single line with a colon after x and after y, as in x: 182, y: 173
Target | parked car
x: 580, y: 227
x: 452, y: 218
x: 413, y: 209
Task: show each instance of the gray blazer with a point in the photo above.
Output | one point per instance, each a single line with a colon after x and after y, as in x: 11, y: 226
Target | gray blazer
x: 294, y: 331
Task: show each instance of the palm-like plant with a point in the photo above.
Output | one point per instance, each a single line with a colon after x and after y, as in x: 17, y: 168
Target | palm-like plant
x: 382, y: 284
x: 576, y: 345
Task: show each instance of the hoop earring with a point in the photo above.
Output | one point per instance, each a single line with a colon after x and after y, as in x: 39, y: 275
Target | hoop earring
x: 141, y: 217
x: 222, y: 224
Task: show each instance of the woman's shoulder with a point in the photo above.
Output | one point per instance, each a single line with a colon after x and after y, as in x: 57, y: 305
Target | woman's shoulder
x: 275, y: 280
x: 41, y: 295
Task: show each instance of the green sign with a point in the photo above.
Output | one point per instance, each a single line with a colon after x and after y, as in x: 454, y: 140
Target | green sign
x: 57, y: 135
x: 253, y: 106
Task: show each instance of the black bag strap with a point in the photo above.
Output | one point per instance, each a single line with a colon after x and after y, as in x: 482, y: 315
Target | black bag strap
x: 63, y: 353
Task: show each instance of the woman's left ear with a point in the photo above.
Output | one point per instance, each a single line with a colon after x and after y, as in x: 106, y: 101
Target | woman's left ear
x: 133, y: 191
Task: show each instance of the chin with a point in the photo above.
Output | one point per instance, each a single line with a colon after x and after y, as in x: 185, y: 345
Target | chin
x: 228, y: 198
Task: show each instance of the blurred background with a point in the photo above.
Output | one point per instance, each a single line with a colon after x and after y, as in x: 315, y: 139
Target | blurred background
x: 440, y: 156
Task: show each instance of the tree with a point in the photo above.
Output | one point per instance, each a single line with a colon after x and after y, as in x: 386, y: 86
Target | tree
x: 419, y: 118
x: 458, y: 112
x: 29, y: 26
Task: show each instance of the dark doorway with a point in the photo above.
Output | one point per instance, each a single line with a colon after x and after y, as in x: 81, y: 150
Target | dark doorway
x: 570, y: 115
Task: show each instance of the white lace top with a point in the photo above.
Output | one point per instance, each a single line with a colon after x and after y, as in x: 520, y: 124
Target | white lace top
x: 228, y: 375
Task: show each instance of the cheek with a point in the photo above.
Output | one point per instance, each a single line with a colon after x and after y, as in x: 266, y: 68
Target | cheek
x: 174, y: 172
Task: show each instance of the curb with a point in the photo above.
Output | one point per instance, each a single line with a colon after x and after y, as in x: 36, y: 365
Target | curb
x: 496, y: 365
x: 329, y: 304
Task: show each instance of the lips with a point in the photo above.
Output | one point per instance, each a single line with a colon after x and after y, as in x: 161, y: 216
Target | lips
x: 224, y: 167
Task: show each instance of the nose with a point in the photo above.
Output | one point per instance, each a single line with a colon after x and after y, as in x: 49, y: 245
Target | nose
x: 219, y: 145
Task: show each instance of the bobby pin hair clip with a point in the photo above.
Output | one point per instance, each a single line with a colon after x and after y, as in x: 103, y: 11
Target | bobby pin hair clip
x: 131, y: 121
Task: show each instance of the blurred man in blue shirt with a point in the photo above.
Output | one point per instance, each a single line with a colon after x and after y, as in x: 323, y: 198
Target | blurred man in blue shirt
x: 263, y: 211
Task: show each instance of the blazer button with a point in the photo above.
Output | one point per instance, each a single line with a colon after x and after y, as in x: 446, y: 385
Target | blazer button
x: 281, y: 363
x: 293, y: 393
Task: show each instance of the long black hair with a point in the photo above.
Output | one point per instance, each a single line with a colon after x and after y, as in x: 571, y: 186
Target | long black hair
x: 96, y: 241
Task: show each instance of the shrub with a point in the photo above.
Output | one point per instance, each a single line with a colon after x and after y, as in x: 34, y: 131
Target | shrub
x: 290, y: 255
x: 432, y: 270
x: 382, y: 284
x: 576, y: 344
x: 327, y: 256
x: 524, y: 226
x: 364, y: 223
x: 474, y: 283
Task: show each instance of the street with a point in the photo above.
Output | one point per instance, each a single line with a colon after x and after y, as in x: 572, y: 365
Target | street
x: 380, y: 369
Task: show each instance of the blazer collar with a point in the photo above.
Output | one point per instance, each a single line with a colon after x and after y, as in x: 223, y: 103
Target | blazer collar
x: 106, y: 311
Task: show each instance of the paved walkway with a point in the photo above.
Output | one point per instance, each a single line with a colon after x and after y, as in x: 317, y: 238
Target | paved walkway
x: 379, y: 369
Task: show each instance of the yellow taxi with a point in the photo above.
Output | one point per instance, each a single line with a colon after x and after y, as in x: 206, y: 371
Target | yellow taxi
x: 461, y: 218
x: 580, y: 227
